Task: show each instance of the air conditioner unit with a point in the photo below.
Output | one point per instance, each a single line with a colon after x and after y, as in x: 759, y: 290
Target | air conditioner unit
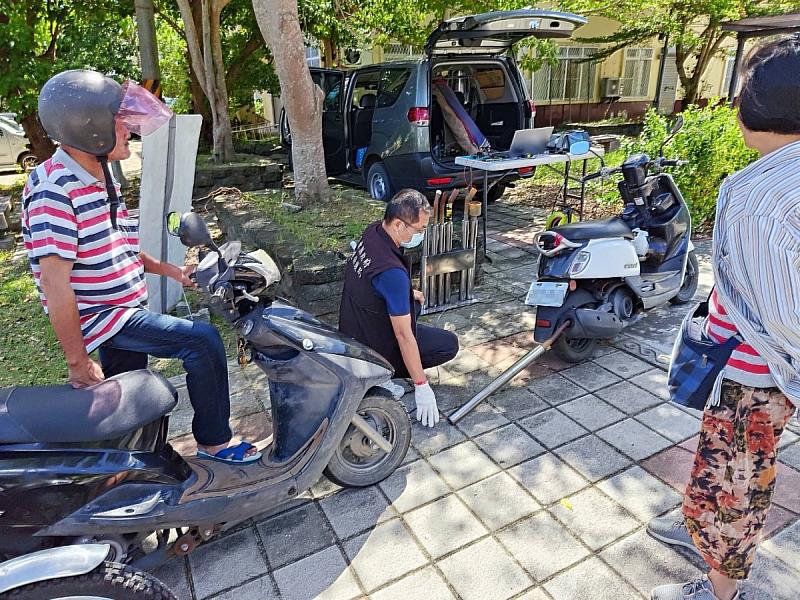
x: 352, y: 56
x: 609, y: 87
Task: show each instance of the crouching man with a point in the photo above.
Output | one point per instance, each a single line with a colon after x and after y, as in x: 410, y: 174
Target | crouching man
x: 379, y: 307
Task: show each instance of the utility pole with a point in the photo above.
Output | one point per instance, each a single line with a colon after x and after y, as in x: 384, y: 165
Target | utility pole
x: 148, y: 45
x: 148, y: 59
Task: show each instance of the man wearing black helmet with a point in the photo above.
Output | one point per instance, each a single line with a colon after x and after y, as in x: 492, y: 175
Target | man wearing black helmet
x: 83, y: 248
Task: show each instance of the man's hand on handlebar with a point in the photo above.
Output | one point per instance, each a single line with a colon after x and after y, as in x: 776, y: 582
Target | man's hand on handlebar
x: 183, y: 275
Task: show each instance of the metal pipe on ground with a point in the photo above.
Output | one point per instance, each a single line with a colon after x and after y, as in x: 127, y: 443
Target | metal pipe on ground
x: 507, y: 375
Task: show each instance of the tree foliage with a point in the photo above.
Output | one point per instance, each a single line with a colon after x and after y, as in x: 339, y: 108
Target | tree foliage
x: 693, y: 27
x: 44, y: 37
x: 362, y: 24
x: 247, y: 60
x: 710, y: 141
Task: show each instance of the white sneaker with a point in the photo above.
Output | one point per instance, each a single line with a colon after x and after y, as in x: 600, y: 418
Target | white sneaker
x: 397, y: 391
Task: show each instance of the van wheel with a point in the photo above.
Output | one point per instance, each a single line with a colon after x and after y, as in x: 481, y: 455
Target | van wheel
x: 495, y: 193
x: 28, y: 161
x: 378, y: 184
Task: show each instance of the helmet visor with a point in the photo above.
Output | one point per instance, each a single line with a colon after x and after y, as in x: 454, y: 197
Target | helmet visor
x: 140, y: 111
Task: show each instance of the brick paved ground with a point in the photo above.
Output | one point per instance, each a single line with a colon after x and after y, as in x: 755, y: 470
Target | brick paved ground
x: 541, y: 493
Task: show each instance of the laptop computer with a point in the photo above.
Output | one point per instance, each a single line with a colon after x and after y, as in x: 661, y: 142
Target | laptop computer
x: 528, y: 142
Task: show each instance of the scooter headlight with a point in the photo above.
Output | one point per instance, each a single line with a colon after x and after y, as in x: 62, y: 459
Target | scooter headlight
x: 580, y: 262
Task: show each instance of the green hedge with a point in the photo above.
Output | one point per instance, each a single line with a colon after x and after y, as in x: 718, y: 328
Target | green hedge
x: 712, y: 143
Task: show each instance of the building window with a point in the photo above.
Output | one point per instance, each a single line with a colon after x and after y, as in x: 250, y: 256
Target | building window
x: 726, y: 81
x: 400, y: 52
x: 313, y: 57
x: 571, y: 78
x: 635, y: 80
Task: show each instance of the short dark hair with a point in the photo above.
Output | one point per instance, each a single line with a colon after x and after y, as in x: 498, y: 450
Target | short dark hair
x: 406, y: 205
x: 770, y: 96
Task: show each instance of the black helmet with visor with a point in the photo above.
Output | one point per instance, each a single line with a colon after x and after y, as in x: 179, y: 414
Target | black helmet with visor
x: 78, y: 108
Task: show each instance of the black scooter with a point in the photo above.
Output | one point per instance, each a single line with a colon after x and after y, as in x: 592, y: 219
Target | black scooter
x: 601, y: 276
x: 93, y: 467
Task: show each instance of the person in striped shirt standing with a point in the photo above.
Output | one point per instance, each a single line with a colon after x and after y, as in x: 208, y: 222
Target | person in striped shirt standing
x: 83, y: 248
x: 756, y: 260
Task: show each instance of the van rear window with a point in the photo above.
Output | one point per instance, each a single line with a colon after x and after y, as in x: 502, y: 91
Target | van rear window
x: 491, y: 81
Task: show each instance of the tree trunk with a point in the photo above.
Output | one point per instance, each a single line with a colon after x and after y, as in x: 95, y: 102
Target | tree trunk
x: 302, y: 99
x: 205, y: 49
x: 200, y: 106
x: 41, y: 145
x: 328, y: 53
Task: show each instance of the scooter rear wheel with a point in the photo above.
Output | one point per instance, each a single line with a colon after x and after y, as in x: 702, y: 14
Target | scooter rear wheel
x: 109, y: 581
x: 357, y: 462
x: 574, y: 350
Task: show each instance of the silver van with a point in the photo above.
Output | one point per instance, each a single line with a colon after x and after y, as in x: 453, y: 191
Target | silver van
x: 14, y: 147
x: 381, y: 127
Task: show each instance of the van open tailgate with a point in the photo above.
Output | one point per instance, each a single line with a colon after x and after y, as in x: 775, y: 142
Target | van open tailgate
x: 495, y: 32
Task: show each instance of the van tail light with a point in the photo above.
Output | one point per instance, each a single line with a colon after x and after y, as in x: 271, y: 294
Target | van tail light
x: 543, y: 323
x: 419, y: 115
x: 523, y: 171
x: 532, y: 104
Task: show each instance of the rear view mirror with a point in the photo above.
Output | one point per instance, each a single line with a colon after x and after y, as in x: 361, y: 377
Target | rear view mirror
x: 677, y: 125
x: 190, y: 228
x: 174, y: 223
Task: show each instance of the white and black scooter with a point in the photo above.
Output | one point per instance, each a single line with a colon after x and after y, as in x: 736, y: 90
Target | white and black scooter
x: 89, y: 481
x: 601, y: 276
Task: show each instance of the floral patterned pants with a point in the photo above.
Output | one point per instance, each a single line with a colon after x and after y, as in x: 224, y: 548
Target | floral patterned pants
x: 733, y: 478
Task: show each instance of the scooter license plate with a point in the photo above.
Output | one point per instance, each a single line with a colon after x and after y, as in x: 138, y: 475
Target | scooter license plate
x: 546, y: 293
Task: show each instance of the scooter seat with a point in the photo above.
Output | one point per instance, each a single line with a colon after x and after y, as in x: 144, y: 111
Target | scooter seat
x: 105, y: 411
x: 588, y: 230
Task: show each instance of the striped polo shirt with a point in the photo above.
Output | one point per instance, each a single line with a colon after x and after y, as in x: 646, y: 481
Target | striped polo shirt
x: 745, y: 365
x: 65, y: 213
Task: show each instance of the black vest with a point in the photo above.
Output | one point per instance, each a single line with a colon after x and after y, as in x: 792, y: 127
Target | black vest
x: 363, y: 314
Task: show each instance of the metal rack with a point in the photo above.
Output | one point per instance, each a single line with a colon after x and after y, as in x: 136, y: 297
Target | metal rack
x: 443, y: 264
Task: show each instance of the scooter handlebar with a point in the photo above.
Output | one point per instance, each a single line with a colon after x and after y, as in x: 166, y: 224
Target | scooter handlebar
x: 602, y: 173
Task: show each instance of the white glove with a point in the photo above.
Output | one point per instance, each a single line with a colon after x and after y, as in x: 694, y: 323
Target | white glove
x: 427, y: 412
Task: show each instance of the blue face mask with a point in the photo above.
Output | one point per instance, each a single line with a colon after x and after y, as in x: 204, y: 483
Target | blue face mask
x: 415, y: 240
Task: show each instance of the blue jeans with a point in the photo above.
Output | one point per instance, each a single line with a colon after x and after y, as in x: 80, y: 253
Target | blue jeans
x: 200, y: 348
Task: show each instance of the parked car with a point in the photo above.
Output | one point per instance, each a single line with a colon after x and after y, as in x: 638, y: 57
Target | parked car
x: 15, y: 149
x: 381, y: 128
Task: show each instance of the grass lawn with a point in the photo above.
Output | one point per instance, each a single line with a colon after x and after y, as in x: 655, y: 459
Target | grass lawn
x: 30, y: 353
x: 15, y: 188
x: 320, y: 227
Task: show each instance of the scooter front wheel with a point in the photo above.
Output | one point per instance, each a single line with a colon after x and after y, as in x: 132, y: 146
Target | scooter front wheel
x: 109, y: 581
x: 358, y: 462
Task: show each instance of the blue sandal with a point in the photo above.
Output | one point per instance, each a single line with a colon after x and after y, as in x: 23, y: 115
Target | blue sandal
x: 232, y: 455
